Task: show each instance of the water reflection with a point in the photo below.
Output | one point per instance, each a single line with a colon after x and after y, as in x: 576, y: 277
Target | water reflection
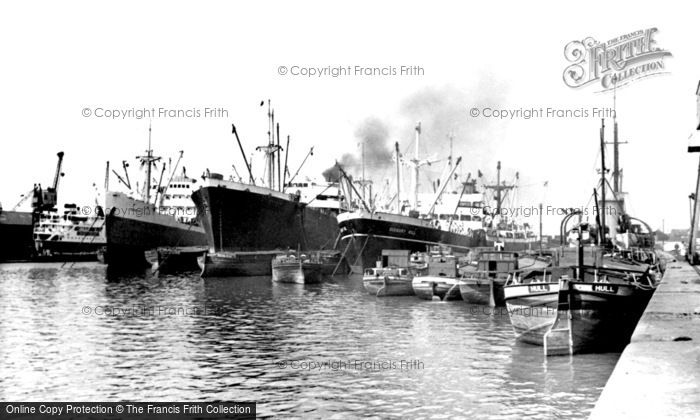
x: 300, y: 351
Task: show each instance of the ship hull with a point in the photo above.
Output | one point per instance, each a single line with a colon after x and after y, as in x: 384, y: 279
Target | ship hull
x: 300, y: 273
x: 482, y: 291
x: 180, y: 259
x: 365, y: 236
x: 427, y: 287
x: 16, y: 236
x: 238, y: 264
x: 133, y: 228
x: 388, y: 283
x: 242, y: 220
x: 601, y: 318
x: 68, y: 250
x: 532, y: 310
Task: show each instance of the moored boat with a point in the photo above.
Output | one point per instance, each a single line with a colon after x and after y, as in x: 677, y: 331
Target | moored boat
x: 484, y: 285
x: 179, y: 259
x: 393, y: 275
x: 300, y: 269
x: 16, y: 235
x: 17, y: 226
x: 502, y: 231
x: 577, y: 309
x: 446, y: 217
x: 155, y: 217
x: 71, y: 235
x: 237, y: 264
x: 441, y: 279
x: 249, y: 215
x: 582, y: 307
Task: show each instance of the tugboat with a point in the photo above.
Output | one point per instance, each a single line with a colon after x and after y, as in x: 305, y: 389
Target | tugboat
x: 135, y: 224
x: 297, y: 268
x: 394, y: 273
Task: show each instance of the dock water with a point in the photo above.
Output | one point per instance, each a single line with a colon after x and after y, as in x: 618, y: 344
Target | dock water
x: 658, y: 374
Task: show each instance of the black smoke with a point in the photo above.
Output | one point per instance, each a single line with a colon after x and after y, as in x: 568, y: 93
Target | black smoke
x: 373, y: 135
x: 443, y: 111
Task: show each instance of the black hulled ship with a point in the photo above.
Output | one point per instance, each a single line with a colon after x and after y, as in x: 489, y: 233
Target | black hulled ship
x: 16, y: 226
x: 243, y: 217
x: 446, y: 218
x: 244, y: 220
x: 140, y: 223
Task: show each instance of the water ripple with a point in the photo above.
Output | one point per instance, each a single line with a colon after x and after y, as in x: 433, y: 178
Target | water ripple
x: 233, y: 350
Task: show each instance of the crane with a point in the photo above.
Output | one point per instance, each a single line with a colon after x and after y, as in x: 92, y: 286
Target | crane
x: 59, y: 174
x: 47, y: 199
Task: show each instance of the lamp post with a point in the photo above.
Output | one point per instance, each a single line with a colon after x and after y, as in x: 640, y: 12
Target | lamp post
x: 694, y: 147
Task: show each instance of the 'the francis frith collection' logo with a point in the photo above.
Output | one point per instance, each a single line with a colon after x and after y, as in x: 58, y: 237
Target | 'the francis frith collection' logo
x: 616, y: 62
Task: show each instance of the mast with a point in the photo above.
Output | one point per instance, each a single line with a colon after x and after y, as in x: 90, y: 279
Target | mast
x: 147, y: 160
x: 398, y: 180
x: 149, y: 155
x: 270, y: 154
x: 270, y: 148
x: 286, y: 170
x: 498, y: 191
x: 499, y: 188
x: 602, y: 179
x: 616, y: 160
x: 449, y: 158
x: 540, y: 228
x: 363, y: 169
x: 617, y: 184
x: 107, y: 176
x: 279, y: 167
x: 415, y: 169
x: 601, y: 234
x: 269, y: 141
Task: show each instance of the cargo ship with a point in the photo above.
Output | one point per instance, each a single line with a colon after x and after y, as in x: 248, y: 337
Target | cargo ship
x: 446, y: 218
x: 250, y: 218
x: 16, y: 227
x: 141, y: 222
x: 16, y: 234
x: 243, y: 217
x: 505, y: 232
x: 72, y: 235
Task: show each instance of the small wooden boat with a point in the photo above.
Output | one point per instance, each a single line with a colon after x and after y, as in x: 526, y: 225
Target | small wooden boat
x: 484, y: 285
x: 237, y: 264
x: 300, y: 269
x: 393, y: 275
x: 179, y: 259
x: 332, y: 262
x: 441, y: 279
x: 577, y: 309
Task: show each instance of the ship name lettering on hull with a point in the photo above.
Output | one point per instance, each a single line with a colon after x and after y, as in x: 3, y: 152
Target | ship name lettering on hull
x: 394, y: 229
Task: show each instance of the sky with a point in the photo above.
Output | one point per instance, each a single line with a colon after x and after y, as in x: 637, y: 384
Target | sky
x: 65, y: 63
